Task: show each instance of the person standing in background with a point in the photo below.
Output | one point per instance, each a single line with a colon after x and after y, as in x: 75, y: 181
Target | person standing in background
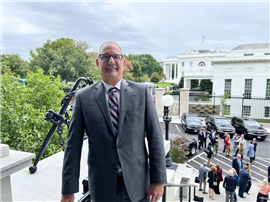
x: 235, y: 141
x: 250, y: 152
x: 220, y: 178
x: 237, y: 183
x: 216, y: 144
x: 200, y: 139
x: 237, y: 163
x: 203, y: 176
x: 249, y: 182
x: 264, y: 190
x: 255, y: 147
x: 230, y: 185
x: 241, y: 150
x: 243, y: 181
x: 227, y: 143
x: 204, y: 137
x: 212, y: 177
x: 241, y: 140
x: 223, y: 140
x: 269, y: 175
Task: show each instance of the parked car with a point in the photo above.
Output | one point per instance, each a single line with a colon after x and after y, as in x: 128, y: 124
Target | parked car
x: 192, y: 147
x: 249, y: 127
x: 220, y: 124
x: 191, y: 122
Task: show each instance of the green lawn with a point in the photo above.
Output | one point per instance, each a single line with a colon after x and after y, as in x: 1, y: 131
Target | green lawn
x: 160, y: 84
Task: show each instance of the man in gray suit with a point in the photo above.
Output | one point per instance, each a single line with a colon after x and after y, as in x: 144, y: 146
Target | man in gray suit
x: 116, y: 115
x: 203, y: 175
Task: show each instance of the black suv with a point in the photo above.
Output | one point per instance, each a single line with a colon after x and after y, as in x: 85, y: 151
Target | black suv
x: 190, y: 122
x: 249, y: 127
x: 220, y: 124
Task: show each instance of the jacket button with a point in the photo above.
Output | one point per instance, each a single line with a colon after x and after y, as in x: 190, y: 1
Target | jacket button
x: 115, y: 167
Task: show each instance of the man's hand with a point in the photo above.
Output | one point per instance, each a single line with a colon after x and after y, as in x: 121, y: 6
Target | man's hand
x: 156, y: 191
x: 67, y: 198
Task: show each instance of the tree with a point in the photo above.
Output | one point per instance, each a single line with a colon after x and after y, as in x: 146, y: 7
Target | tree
x: 23, y: 108
x: 194, y: 83
x: 206, y: 85
x: 13, y: 63
x: 128, y: 68
x: 144, y: 78
x: 181, y: 82
x: 155, y: 77
x: 147, y: 63
x: 136, y: 72
x: 223, y: 105
x: 129, y: 77
x: 162, y: 76
x: 65, y: 55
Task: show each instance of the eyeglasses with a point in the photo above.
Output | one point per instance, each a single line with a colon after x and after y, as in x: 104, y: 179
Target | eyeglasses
x: 106, y: 57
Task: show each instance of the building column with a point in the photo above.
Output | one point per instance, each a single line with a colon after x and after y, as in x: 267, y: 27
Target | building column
x: 174, y: 76
x: 184, y: 100
x: 187, y: 83
x: 170, y: 71
x: 159, y: 94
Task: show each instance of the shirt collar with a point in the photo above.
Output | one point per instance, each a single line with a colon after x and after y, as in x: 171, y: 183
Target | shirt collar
x: 107, y: 86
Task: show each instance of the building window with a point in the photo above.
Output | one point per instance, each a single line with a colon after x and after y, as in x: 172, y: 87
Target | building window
x: 248, y: 87
x: 267, y: 95
x: 191, y: 64
x: 228, y: 84
x: 266, y: 53
x: 183, y: 64
x: 249, y: 54
x: 246, y: 110
x: 227, y: 110
x: 201, y: 64
x: 266, y: 111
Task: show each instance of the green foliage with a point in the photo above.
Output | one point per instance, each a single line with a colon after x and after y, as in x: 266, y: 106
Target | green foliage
x: 163, y: 84
x: 181, y: 82
x: 155, y: 77
x: 194, y: 83
x: 194, y: 106
x: 12, y: 63
x: 162, y: 76
x: 176, y: 92
x: 223, y: 106
x: 206, y: 85
x: 23, y: 108
x: 65, y: 55
x: 202, y: 111
x: 178, y: 149
x: 148, y: 64
x: 198, y: 108
x: 144, y: 78
x: 129, y: 77
x: 136, y: 71
x: 197, y: 98
x: 210, y: 111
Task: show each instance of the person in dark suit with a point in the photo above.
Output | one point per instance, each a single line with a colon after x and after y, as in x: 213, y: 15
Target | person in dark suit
x: 212, y: 178
x: 268, y: 170
x: 203, y: 175
x: 237, y: 163
x: 212, y: 136
x: 255, y: 147
x: 204, y: 136
x: 117, y: 115
x: 243, y: 181
x: 230, y: 185
x: 200, y: 139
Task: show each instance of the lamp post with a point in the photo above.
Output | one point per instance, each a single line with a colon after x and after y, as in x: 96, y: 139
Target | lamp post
x: 167, y: 101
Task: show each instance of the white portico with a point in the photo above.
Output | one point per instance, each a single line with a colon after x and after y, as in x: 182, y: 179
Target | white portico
x: 194, y: 64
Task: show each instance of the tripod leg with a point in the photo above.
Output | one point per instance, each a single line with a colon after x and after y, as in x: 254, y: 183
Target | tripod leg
x: 33, y: 168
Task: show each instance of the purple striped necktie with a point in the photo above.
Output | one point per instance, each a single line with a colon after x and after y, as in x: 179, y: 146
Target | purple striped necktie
x: 113, y: 106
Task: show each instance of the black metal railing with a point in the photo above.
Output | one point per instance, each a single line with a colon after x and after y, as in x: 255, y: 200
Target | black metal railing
x: 181, y: 186
x: 264, y: 199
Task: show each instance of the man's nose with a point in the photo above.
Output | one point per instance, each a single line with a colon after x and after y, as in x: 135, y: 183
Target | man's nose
x: 111, y: 60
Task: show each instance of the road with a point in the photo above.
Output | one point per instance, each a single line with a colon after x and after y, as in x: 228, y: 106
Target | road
x: 258, y: 168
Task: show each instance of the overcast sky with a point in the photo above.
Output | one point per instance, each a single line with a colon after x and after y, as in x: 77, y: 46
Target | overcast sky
x: 158, y: 28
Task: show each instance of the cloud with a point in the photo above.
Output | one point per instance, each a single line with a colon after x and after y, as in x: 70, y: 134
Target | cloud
x: 158, y: 28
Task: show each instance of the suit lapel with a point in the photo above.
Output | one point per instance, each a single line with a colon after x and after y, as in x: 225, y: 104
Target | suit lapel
x: 124, y: 100
x: 101, y: 100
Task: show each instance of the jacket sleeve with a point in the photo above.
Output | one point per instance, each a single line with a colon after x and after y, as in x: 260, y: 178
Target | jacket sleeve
x: 72, y: 155
x: 155, y: 143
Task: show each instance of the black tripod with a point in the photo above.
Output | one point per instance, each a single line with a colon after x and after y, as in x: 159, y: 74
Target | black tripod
x: 57, y: 119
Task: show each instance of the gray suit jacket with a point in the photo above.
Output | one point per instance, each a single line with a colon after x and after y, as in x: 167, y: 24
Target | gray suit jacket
x: 203, y: 172
x: 138, y: 118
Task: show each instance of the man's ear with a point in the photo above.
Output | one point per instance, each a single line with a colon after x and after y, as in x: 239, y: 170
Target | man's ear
x: 124, y: 63
x: 97, y: 63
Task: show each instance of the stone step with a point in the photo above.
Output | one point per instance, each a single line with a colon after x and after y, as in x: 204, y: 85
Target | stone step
x: 4, y: 150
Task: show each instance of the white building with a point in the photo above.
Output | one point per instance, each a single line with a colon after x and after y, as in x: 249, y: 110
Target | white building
x: 242, y: 70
